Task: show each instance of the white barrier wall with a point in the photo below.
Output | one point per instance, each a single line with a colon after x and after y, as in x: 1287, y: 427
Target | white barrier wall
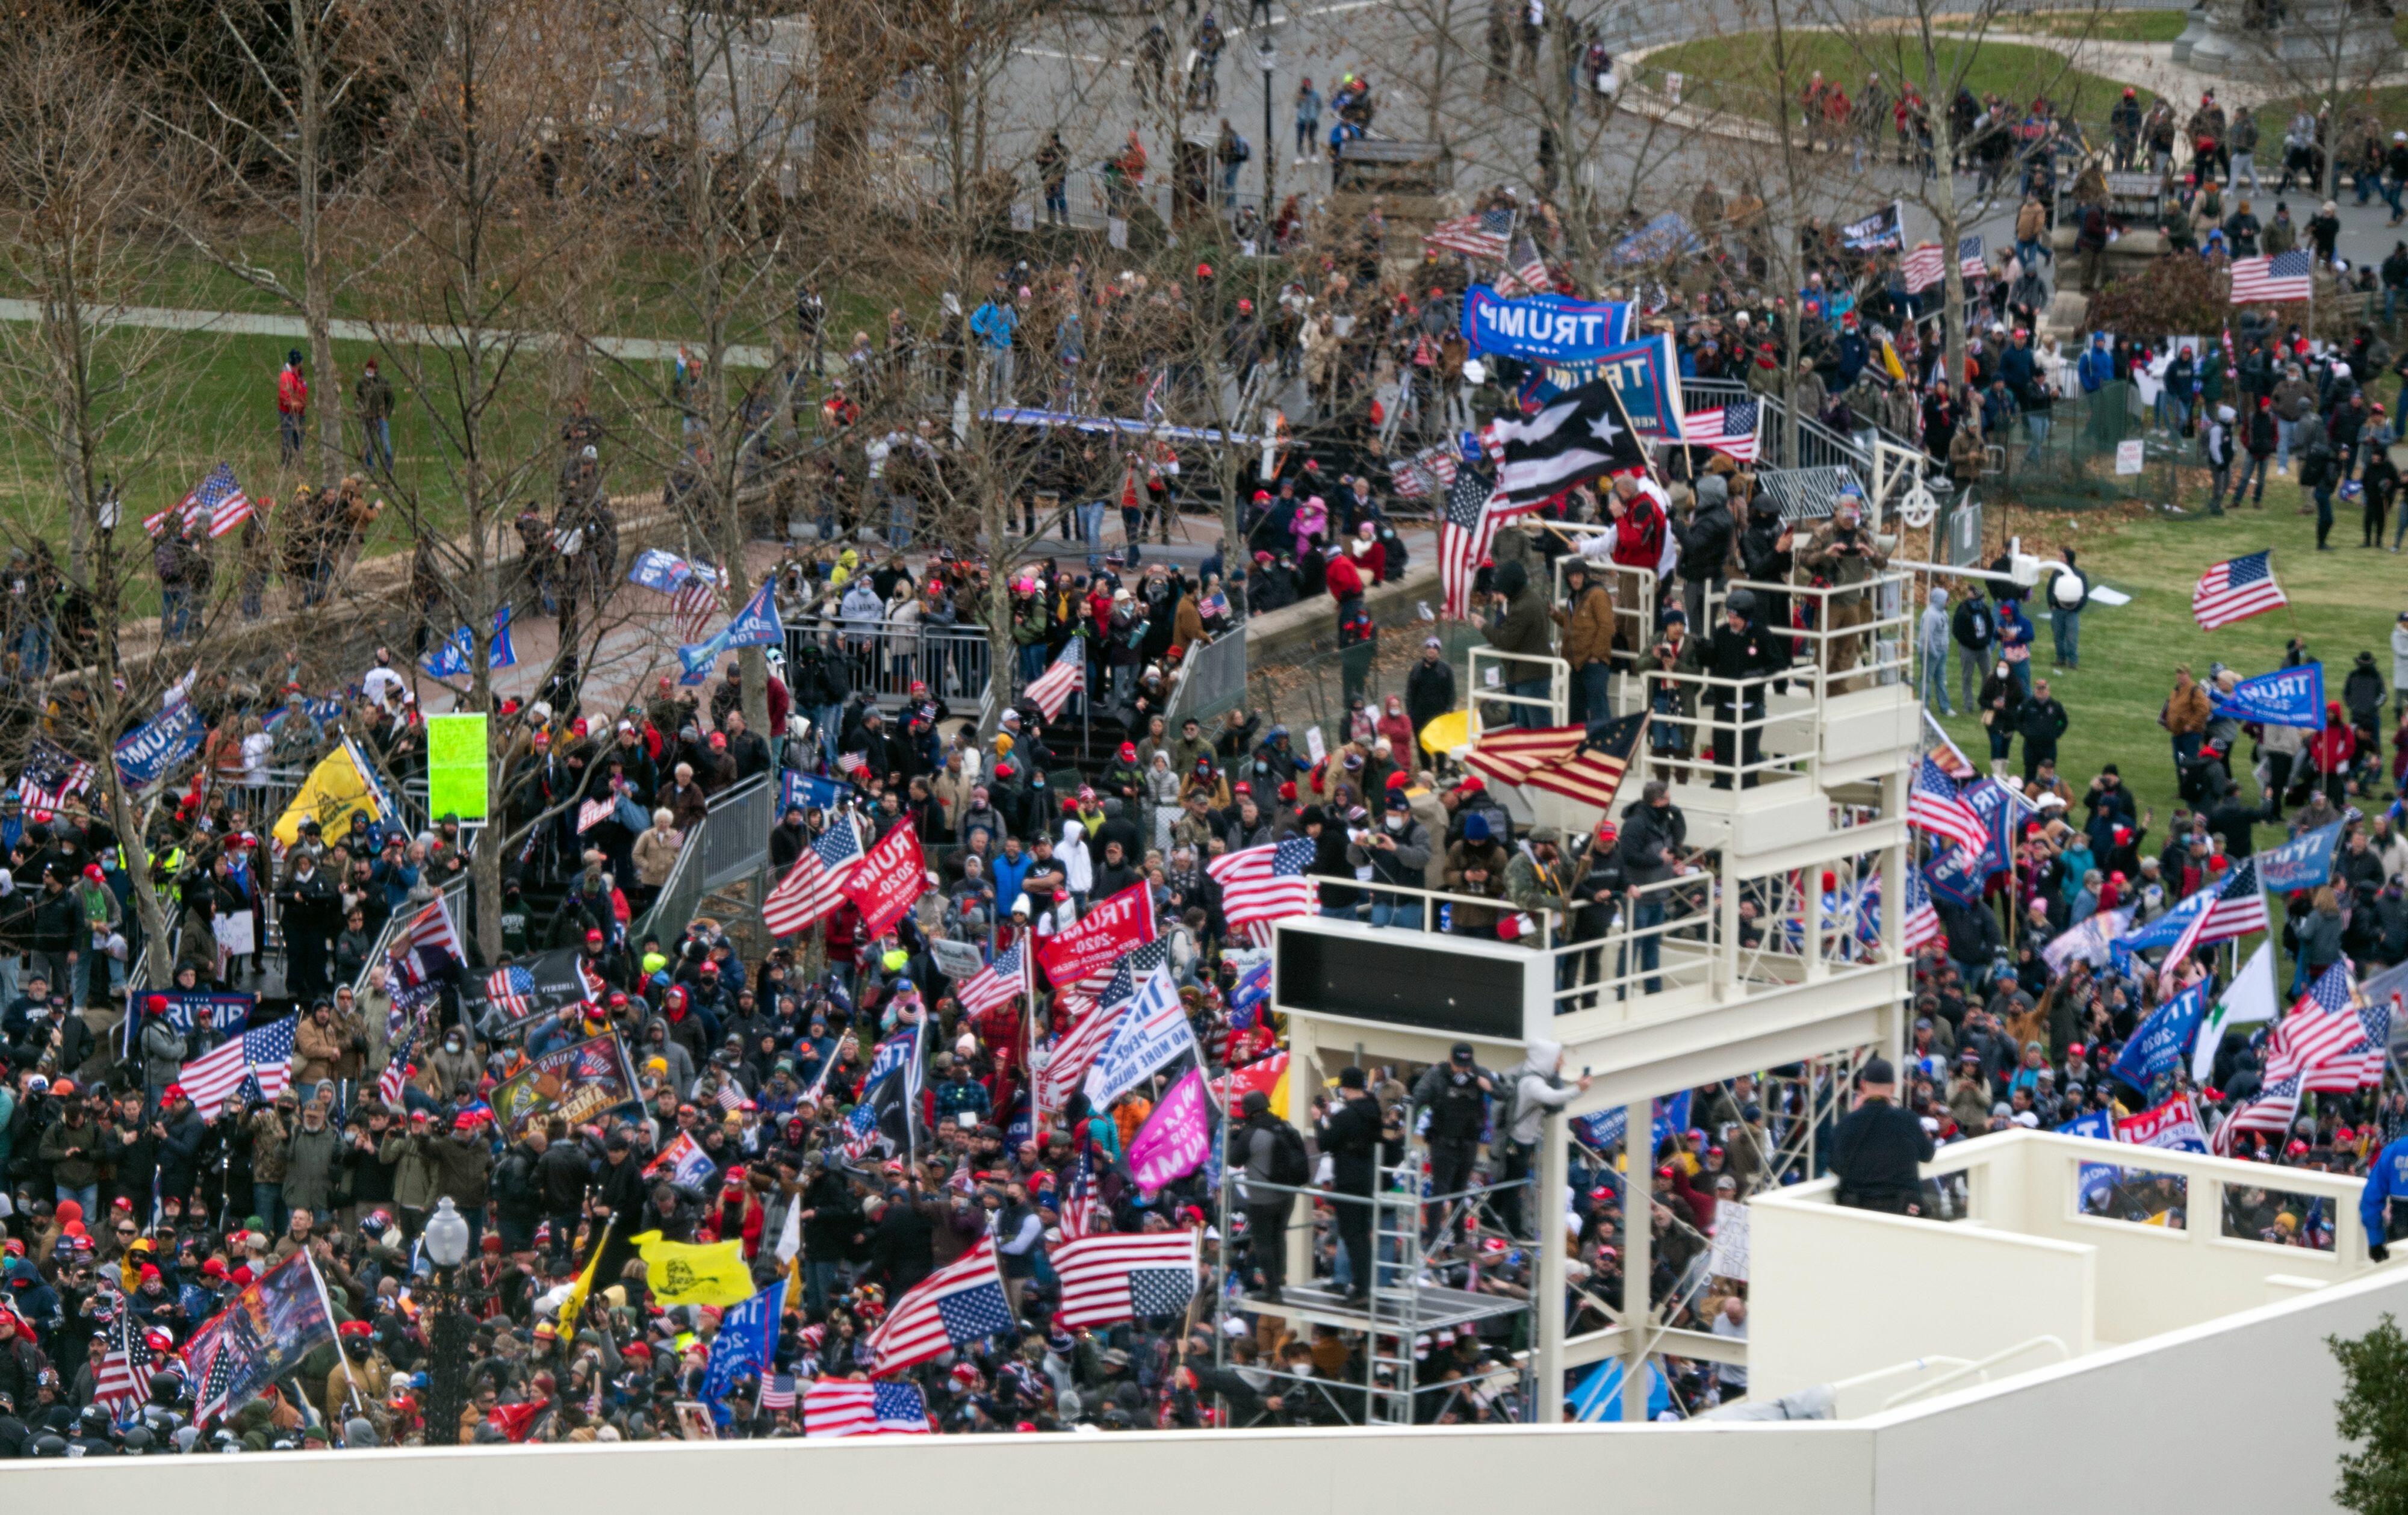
x: 2234, y: 1415
x: 1837, y: 1292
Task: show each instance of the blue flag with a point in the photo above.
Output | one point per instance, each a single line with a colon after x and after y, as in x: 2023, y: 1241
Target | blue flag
x: 756, y: 624
x: 2304, y: 862
x: 451, y: 659
x: 1547, y: 328
x: 811, y: 790
x: 1253, y: 988
x: 666, y: 572
x: 1599, y: 1395
x: 1606, y: 1127
x: 147, y: 753
x: 746, y: 1343
x: 2163, y: 1041
x: 2164, y: 930
x: 2286, y: 697
x: 2094, y: 1178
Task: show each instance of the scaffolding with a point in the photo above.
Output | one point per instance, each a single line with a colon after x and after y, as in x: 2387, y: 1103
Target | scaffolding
x: 1414, y: 1293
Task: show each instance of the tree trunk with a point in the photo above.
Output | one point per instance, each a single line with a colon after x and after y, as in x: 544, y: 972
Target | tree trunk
x: 317, y: 296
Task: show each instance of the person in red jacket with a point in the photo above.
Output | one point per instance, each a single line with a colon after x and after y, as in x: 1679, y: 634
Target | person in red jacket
x: 2331, y: 751
x: 1345, y: 582
x: 291, y: 408
x: 1370, y: 558
x: 1639, y: 521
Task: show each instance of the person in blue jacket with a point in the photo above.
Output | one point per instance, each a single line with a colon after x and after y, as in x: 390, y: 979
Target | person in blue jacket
x: 2387, y: 1177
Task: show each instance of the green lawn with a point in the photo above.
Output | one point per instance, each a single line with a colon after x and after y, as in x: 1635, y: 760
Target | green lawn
x: 1737, y: 73
x: 2104, y: 25
x: 2342, y: 601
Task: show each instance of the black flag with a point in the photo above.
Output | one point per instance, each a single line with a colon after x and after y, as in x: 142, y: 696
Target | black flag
x: 1571, y: 441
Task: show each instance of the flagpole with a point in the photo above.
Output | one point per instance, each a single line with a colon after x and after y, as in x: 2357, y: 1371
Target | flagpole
x: 327, y: 1304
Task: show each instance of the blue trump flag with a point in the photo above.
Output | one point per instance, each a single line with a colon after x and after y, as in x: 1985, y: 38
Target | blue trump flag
x: 666, y: 572
x: 1543, y: 328
x: 1605, y: 1128
x: 1253, y: 988
x: 810, y: 791
x: 147, y: 753
x: 2286, y: 697
x: 453, y: 657
x: 2304, y: 862
x: 2163, y: 1042
x: 755, y: 625
x: 2094, y: 1178
x: 2164, y: 930
x: 747, y: 1341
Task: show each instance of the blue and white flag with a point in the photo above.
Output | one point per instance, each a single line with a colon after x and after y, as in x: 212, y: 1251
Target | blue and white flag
x: 757, y: 624
x: 216, y: 1015
x: 1152, y: 1031
x: 668, y: 573
x: 1253, y: 988
x: 810, y: 791
x: 2162, y: 1043
x: 2304, y: 862
x: 1605, y: 1128
x: 2094, y: 1179
x: 152, y: 750
x: 2286, y: 697
x: 1599, y: 1397
x: 2164, y: 930
x: 745, y: 1345
x: 452, y: 659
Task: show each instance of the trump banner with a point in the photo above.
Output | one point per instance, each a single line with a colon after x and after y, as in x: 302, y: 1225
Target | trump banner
x: 579, y: 1083
x: 2286, y: 697
x: 1091, y: 947
x: 1543, y: 328
x: 2172, y: 1124
x: 147, y: 753
x: 888, y: 878
x: 1176, y: 1139
x: 2304, y: 862
x: 262, y: 1335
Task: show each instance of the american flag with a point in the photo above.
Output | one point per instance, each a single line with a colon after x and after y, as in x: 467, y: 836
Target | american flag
x: 1922, y: 267
x: 2333, y: 1038
x: 1525, y: 271
x: 1425, y: 473
x: 1080, y: 1211
x: 217, y: 501
x: 266, y: 1054
x: 960, y: 1303
x: 1509, y: 754
x: 216, y: 1378
x: 815, y: 884
x: 2240, y: 909
x: 850, y: 1407
x: 855, y: 764
x: 433, y: 939
x: 2235, y: 590
x: 510, y: 990
x: 697, y: 606
x: 1726, y: 428
x: 122, y: 1383
x: 995, y: 985
x: 1261, y: 885
x: 859, y: 1131
x: 1593, y: 774
x: 2272, y: 1110
x: 730, y: 1096
x: 1922, y: 917
x: 1472, y: 510
x: 1483, y: 235
x: 397, y: 1069
x: 778, y: 1392
x: 1969, y: 261
x: 51, y: 776
x: 2272, y: 278
x: 1935, y: 805
x: 1114, y: 1277
x: 1051, y: 689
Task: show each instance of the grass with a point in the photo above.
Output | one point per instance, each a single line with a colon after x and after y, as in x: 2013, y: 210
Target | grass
x: 1737, y: 73
x: 2104, y: 25
x: 2341, y: 602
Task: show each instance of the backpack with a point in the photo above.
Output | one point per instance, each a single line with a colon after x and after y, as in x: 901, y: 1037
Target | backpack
x: 1290, y: 1165
x: 1245, y: 150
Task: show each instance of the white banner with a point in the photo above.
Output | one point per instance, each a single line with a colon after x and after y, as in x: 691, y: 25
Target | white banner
x: 1151, y: 1032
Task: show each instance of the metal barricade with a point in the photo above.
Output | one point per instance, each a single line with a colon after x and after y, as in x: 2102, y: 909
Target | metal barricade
x: 1210, y: 680
x: 730, y: 844
x: 1495, y: 676
x: 886, y: 660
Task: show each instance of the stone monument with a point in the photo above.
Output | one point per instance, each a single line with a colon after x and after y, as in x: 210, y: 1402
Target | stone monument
x: 2297, y: 42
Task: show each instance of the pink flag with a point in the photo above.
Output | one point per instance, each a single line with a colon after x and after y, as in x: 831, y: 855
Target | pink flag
x: 1176, y: 1137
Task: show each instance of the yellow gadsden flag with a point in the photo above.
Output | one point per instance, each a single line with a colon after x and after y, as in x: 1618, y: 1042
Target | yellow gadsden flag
x: 683, y: 1273
x: 334, y: 789
x: 572, y: 1309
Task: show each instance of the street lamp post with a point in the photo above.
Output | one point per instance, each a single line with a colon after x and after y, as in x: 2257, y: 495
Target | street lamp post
x: 1266, y: 53
x: 449, y: 1329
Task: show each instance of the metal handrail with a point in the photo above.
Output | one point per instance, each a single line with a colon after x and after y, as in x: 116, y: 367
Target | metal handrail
x: 1980, y: 1365
x: 1554, y: 702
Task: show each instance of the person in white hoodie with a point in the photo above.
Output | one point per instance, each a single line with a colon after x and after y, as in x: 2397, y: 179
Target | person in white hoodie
x: 1538, y: 1091
x: 1072, y: 851
x: 2400, y: 652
